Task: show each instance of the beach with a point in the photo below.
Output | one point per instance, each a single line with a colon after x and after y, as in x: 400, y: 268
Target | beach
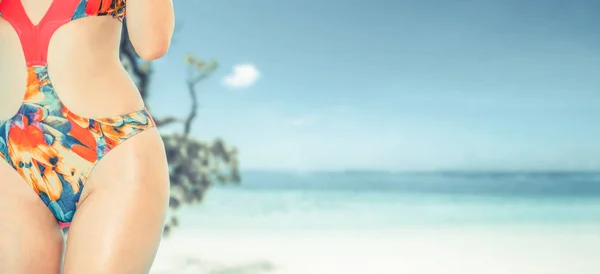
x: 302, y: 230
x: 514, y: 250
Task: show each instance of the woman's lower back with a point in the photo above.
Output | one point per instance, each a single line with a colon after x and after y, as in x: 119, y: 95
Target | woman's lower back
x: 83, y: 65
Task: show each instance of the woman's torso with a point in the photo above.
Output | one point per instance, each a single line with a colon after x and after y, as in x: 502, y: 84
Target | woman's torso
x: 83, y: 65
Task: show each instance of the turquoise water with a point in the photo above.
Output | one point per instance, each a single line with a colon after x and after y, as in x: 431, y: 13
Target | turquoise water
x: 384, y: 201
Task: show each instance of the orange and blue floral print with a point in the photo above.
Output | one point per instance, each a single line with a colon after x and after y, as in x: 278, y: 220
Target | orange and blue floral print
x: 54, y: 150
x: 114, y: 8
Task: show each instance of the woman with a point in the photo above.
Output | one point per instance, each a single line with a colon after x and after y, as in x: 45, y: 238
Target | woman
x: 77, y: 146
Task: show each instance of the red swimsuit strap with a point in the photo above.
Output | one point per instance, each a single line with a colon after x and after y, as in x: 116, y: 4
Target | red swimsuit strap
x: 35, y: 39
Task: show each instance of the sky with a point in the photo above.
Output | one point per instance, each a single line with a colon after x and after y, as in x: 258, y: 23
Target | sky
x: 392, y: 85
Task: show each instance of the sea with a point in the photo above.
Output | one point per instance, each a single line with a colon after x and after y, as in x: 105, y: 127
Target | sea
x: 391, y: 222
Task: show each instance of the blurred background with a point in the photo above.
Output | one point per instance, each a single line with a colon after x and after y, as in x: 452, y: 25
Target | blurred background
x: 430, y: 136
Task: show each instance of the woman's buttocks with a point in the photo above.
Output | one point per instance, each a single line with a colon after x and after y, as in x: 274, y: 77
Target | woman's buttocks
x: 83, y: 66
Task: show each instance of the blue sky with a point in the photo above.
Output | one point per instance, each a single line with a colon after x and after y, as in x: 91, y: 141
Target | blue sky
x: 393, y: 85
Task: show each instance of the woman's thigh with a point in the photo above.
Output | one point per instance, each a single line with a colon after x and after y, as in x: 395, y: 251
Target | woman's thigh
x: 30, y: 238
x: 118, y: 224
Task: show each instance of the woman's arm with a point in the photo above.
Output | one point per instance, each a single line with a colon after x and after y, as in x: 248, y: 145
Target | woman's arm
x: 150, y: 24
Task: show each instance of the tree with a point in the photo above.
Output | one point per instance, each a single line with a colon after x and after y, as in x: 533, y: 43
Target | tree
x: 194, y: 165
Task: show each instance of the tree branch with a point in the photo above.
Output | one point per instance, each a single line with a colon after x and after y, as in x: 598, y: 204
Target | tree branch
x: 160, y: 122
x: 192, y: 115
x: 198, y: 71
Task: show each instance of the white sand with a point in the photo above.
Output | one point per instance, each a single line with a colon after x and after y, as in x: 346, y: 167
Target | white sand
x: 492, y: 250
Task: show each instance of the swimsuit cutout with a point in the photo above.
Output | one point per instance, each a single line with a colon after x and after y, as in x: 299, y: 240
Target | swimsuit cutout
x: 53, y: 149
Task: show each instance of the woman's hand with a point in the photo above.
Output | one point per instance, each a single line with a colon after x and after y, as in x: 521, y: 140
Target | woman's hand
x: 150, y: 24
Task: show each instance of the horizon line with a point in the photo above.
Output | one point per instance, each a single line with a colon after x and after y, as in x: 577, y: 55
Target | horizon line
x: 424, y: 171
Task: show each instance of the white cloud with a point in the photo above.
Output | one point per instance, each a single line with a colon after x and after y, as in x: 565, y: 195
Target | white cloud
x: 242, y: 76
x: 305, y: 120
